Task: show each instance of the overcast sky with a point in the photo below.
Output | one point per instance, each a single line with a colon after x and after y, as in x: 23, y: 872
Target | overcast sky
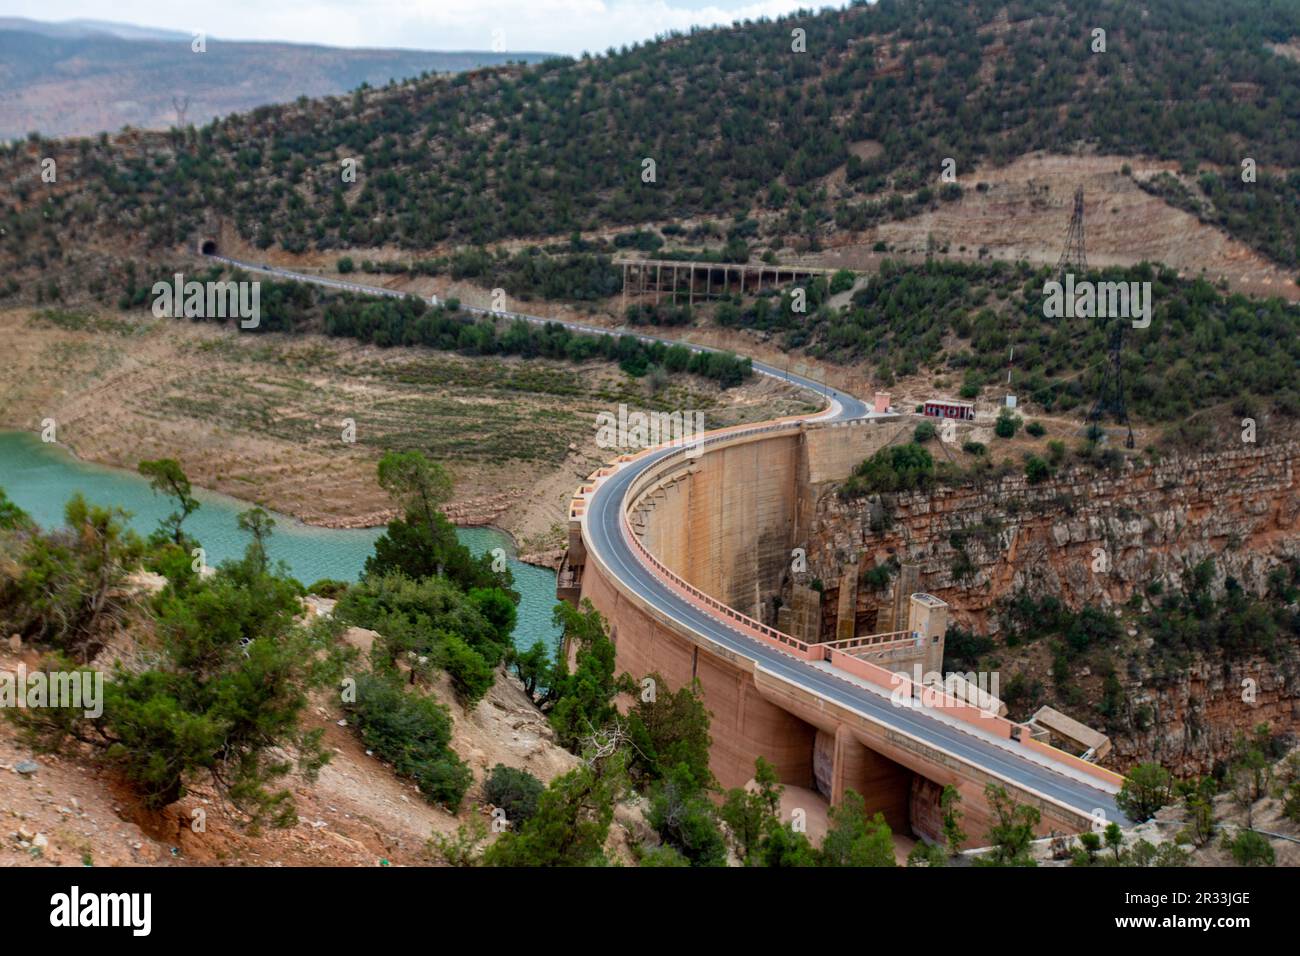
x: 558, y: 26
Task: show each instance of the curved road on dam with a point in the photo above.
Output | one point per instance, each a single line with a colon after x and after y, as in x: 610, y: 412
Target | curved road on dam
x: 608, y: 539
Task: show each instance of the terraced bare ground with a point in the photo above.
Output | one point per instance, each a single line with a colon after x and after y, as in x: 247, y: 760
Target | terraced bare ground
x: 262, y: 417
x: 1024, y: 209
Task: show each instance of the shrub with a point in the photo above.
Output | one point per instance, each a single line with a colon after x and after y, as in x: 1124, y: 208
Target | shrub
x: 1006, y: 424
x: 924, y: 432
x: 469, y: 672
x: 413, y: 733
x: 1036, y: 470
x: 1146, y: 789
x: 1036, y: 429
x: 897, y: 468
x: 1251, y: 849
x: 328, y: 588
x: 514, y: 791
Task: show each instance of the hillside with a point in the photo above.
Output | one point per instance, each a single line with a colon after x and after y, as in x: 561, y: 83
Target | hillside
x: 829, y: 157
x: 80, y: 78
x: 828, y: 140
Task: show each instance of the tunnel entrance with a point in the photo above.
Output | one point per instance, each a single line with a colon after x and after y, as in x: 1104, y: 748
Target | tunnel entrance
x: 208, y: 247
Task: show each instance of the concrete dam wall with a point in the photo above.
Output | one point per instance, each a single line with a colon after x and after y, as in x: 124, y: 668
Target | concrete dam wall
x: 728, y: 521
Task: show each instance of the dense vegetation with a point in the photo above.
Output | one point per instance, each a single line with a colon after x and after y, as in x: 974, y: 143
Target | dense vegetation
x: 219, y: 688
x: 221, y: 680
x: 1264, y: 213
x: 296, y: 307
x: 1203, y: 346
x: 412, y: 321
x: 727, y: 115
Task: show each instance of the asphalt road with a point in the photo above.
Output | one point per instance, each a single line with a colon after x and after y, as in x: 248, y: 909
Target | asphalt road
x: 605, y: 509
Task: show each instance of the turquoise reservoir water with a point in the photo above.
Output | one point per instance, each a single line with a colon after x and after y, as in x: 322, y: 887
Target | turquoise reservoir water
x: 40, y: 478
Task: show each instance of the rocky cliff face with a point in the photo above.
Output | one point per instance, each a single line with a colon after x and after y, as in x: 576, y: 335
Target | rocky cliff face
x: 1188, y: 723
x: 1097, y: 538
x: 1083, y: 536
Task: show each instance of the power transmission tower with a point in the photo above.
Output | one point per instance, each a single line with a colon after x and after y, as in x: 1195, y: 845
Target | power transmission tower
x: 1111, y: 396
x: 1073, y: 258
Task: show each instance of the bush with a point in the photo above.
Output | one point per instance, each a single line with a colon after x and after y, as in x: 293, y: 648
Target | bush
x: 1251, y: 849
x: 346, y: 265
x: 413, y: 733
x: 328, y: 588
x: 974, y: 448
x: 434, y: 619
x: 841, y: 281
x: 1036, y: 429
x: 1006, y: 425
x: 469, y: 672
x: 897, y: 468
x: 514, y: 791
x: 1146, y: 789
x: 1036, y: 470
x: 924, y: 432
x: 222, y: 692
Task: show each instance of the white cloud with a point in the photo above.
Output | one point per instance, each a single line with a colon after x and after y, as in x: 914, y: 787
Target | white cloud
x: 561, y: 26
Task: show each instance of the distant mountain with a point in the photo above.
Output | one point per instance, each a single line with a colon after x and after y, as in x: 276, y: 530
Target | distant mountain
x: 83, y: 28
x: 81, y: 77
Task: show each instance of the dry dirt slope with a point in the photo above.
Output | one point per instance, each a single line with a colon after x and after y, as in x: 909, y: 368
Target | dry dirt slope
x: 1021, y: 211
x: 260, y: 417
x: 72, y: 811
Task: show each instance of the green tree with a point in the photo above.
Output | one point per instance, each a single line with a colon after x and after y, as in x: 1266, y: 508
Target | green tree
x: 751, y: 814
x: 1114, y: 838
x: 584, y: 700
x: 1012, y: 831
x: 1006, y: 424
x: 1036, y: 470
x: 683, y: 815
x: 1250, y: 848
x: 1199, y: 806
x: 259, y: 524
x: 166, y: 477
x: 854, y: 839
x: 950, y: 806
x: 428, y: 624
x: 66, y: 588
x: 420, y: 486
x: 1146, y: 789
x: 532, y: 667
x: 223, y: 695
x: 669, y: 730
x: 515, y: 791
x: 12, y: 518
x: 572, y: 819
